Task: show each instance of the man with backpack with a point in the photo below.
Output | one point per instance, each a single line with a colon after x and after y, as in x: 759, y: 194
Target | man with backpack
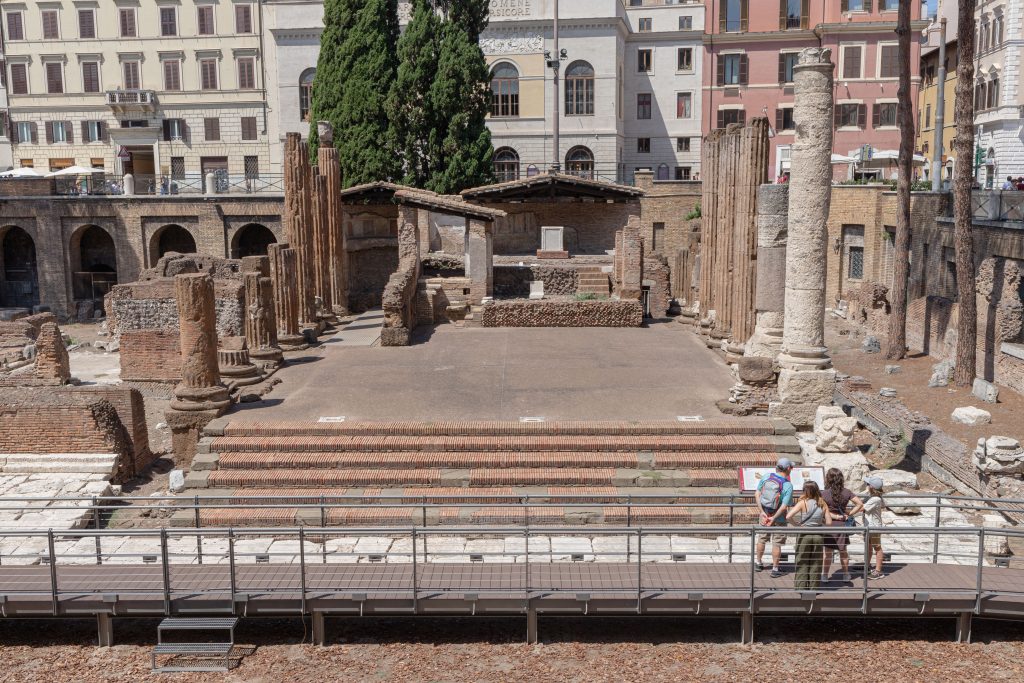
x: 774, y: 496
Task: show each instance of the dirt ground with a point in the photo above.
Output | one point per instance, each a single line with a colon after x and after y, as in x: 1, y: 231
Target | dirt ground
x: 571, y: 650
x: 911, y: 385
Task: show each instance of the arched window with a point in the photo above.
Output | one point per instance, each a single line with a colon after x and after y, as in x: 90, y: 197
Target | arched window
x: 505, y: 90
x: 506, y: 164
x: 532, y: 170
x: 580, y: 162
x: 662, y: 172
x: 579, y: 89
x: 306, y: 93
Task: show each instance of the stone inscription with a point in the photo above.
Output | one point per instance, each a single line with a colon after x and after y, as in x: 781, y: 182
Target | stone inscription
x: 511, y: 8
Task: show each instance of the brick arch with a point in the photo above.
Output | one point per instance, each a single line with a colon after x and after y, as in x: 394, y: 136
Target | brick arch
x: 93, y: 257
x: 171, y: 237
x: 252, y: 239
x: 19, y: 272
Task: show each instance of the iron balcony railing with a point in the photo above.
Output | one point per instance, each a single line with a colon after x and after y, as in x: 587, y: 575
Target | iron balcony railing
x: 131, y: 97
x: 186, y: 184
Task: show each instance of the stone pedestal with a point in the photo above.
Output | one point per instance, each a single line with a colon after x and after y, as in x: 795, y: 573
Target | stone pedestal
x: 551, y: 243
x: 800, y: 394
x: 260, y: 325
x: 770, y: 289
x: 479, y: 260
x: 237, y: 369
x: 284, y: 275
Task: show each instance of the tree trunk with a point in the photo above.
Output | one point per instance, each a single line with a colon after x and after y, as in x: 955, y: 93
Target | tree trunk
x: 963, y: 182
x: 901, y: 258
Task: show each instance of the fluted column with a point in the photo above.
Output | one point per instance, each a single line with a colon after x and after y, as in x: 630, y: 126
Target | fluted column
x: 284, y: 276
x: 321, y: 255
x: 337, y: 255
x: 770, y: 294
x: 260, y: 323
x: 200, y: 387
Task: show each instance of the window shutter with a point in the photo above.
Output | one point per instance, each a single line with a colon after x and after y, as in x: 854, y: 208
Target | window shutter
x: 782, y: 14
x: 185, y: 131
x: 744, y: 69
x: 85, y: 131
x: 14, y: 132
x: 722, y: 25
x: 720, y: 68
x: 167, y: 130
x: 837, y: 120
x: 844, y: 6
x: 742, y: 119
x: 782, y: 68
x: 805, y: 14
x: 876, y: 115
x: 778, y: 120
x: 49, y: 132
x: 869, y: 5
x: 721, y: 119
x: 744, y: 15
x: 69, y: 132
x: 102, y: 125
x: 862, y: 115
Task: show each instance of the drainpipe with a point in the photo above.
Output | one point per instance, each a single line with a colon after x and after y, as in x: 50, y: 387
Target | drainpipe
x: 940, y: 112
x: 556, y: 60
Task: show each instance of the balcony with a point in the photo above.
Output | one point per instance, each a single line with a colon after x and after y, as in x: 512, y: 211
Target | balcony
x: 127, y: 101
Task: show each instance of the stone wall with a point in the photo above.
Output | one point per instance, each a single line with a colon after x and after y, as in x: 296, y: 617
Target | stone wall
x: 128, y: 404
x: 667, y: 203
x: 514, y: 281
x: 554, y: 313
x: 656, y: 277
x: 589, y: 226
x: 369, y: 270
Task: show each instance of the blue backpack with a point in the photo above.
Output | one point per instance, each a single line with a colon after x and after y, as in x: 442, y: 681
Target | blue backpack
x: 770, y: 495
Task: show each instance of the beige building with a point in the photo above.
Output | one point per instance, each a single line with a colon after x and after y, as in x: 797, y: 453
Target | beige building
x: 167, y: 90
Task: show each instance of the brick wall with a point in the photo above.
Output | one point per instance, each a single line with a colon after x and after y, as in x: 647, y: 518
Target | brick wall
x: 150, y: 356
x: 656, y: 275
x: 589, y: 226
x: 26, y: 187
x: 130, y: 408
x: 666, y: 202
x: 563, y: 314
x: 369, y: 271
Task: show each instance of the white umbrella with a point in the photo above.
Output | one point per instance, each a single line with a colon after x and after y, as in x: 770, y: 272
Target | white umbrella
x: 840, y: 159
x: 21, y: 173
x: 892, y: 155
x: 75, y: 170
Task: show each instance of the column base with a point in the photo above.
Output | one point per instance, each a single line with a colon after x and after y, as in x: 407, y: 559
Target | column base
x: 292, y: 342
x: 765, y: 343
x: 186, y: 430
x: 267, y: 357
x: 800, y: 394
x: 197, y: 399
x: 805, y: 358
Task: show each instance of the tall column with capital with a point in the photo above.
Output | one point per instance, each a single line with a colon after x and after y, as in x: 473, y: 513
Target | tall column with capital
x: 330, y: 168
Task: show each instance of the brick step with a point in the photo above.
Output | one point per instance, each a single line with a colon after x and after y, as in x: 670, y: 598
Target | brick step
x: 432, y: 444
x: 501, y: 476
x: 734, y: 427
x: 245, y: 460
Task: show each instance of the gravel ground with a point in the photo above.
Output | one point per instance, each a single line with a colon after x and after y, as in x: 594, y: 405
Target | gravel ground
x: 573, y: 650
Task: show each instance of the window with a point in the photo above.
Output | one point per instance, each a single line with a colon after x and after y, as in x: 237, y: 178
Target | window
x: 644, y: 60
x: 172, y: 74
x: 856, y: 263
x: 993, y: 93
x: 127, y: 16
x: 90, y: 77
x: 928, y: 116
x: 3, y: 74
x: 580, y: 162
x: 684, y: 105
x: 793, y: 14
x: 787, y: 60
x: 249, y: 128
x: 685, y: 23
x: 784, y: 119
x: 662, y: 172
x: 851, y: 62
x: 246, y: 73
x: 208, y: 74
x: 852, y: 6
x: 132, y: 81
x: 888, y: 5
x: 643, y: 145
x: 86, y: 23
x: 306, y: 92
x: 174, y: 129
x: 579, y: 90
x: 949, y: 256
x: 732, y: 69
x: 505, y: 90
x: 51, y: 24
x: 178, y: 168
x: 658, y: 237
x: 643, y: 105
x: 889, y: 65
x: 733, y: 17
x: 168, y: 21
x: 134, y: 123
x: 506, y: 164
x: 683, y: 173
x: 645, y: 25
x: 58, y: 131
x: 730, y: 116
x: 251, y: 166
x: 684, y: 59
x: 243, y: 18
x: 54, y: 78
x: 96, y: 162
x: 94, y: 131
x: 25, y: 131
x: 19, y: 79
x: 885, y: 114
x: 15, y: 26
x: 211, y: 129
x: 58, y: 164
x: 853, y: 244
x: 204, y: 20
x: 682, y: 144
x: 850, y: 115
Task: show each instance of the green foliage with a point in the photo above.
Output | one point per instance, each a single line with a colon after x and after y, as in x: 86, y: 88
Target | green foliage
x: 589, y: 296
x: 460, y: 99
x: 355, y: 73
x: 695, y: 213
x: 413, y: 119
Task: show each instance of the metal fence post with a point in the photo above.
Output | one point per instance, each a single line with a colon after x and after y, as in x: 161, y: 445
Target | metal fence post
x: 415, y: 592
x: 166, y: 569
x: 53, y: 572
x: 323, y: 537
x: 732, y: 522
x: 526, y: 538
x: 867, y: 569
x: 199, y: 538
x: 302, y: 567
x: 753, y: 543
x: 938, y: 520
x: 981, y: 562
x: 96, y: 525
x: 639, y: 569
x: 231, y: 567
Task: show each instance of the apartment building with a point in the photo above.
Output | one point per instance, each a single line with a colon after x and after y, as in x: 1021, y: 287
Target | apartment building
x: 6, y: 160
x: 629, y: 83
x: 167, y: 90
x: 998, y: 99
x: 927, y: 105
x: 750, y: 47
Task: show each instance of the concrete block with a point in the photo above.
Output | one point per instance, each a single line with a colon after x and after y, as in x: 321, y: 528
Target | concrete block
x: 985, y: 391
x: 197, y: 479
x: 206, y: 461
x: 216, y: 427
x: 972, y: 416
x: 756, y: 370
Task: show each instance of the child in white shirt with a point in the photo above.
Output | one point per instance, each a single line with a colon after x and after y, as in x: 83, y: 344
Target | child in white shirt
x: 872, y: 518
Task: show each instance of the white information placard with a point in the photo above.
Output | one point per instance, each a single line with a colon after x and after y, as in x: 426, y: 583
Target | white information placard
x: 750, y: 476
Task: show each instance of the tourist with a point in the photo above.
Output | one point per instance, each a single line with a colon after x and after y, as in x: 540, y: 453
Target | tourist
x: 774, y: 496
x: 872, y: 515
x: 810, y: 512
x: 1010, y: 183
x: 838, y: 498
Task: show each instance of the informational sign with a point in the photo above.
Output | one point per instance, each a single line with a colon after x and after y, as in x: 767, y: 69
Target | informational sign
x: 750, y: 476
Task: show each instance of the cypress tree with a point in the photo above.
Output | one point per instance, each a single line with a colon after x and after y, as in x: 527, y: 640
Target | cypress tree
x: 460, y: 96
x: 412, y: 117
x: 355, y: 74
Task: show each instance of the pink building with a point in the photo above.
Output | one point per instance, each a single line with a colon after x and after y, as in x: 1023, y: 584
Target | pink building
x: 750, y: 47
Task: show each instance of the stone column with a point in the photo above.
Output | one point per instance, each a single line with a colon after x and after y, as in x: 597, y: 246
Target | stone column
x: 235, y: 366
x: 298, y: 221
x: 632, y: 261
x: 321, y: 255
x: 200, y: 396
x: 260, y: 323
x: 330, y: 168
x: 284, y: 274
x: 806, y: 380
x: 479, y: 260
x: 770, y: 294
x: 708, y: 221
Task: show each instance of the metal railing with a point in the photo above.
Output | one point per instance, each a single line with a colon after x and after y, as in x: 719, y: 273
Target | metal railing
x: 997, y: 205
x: 417, y: 552
x: 131, y: 97
x: 187, y: 184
